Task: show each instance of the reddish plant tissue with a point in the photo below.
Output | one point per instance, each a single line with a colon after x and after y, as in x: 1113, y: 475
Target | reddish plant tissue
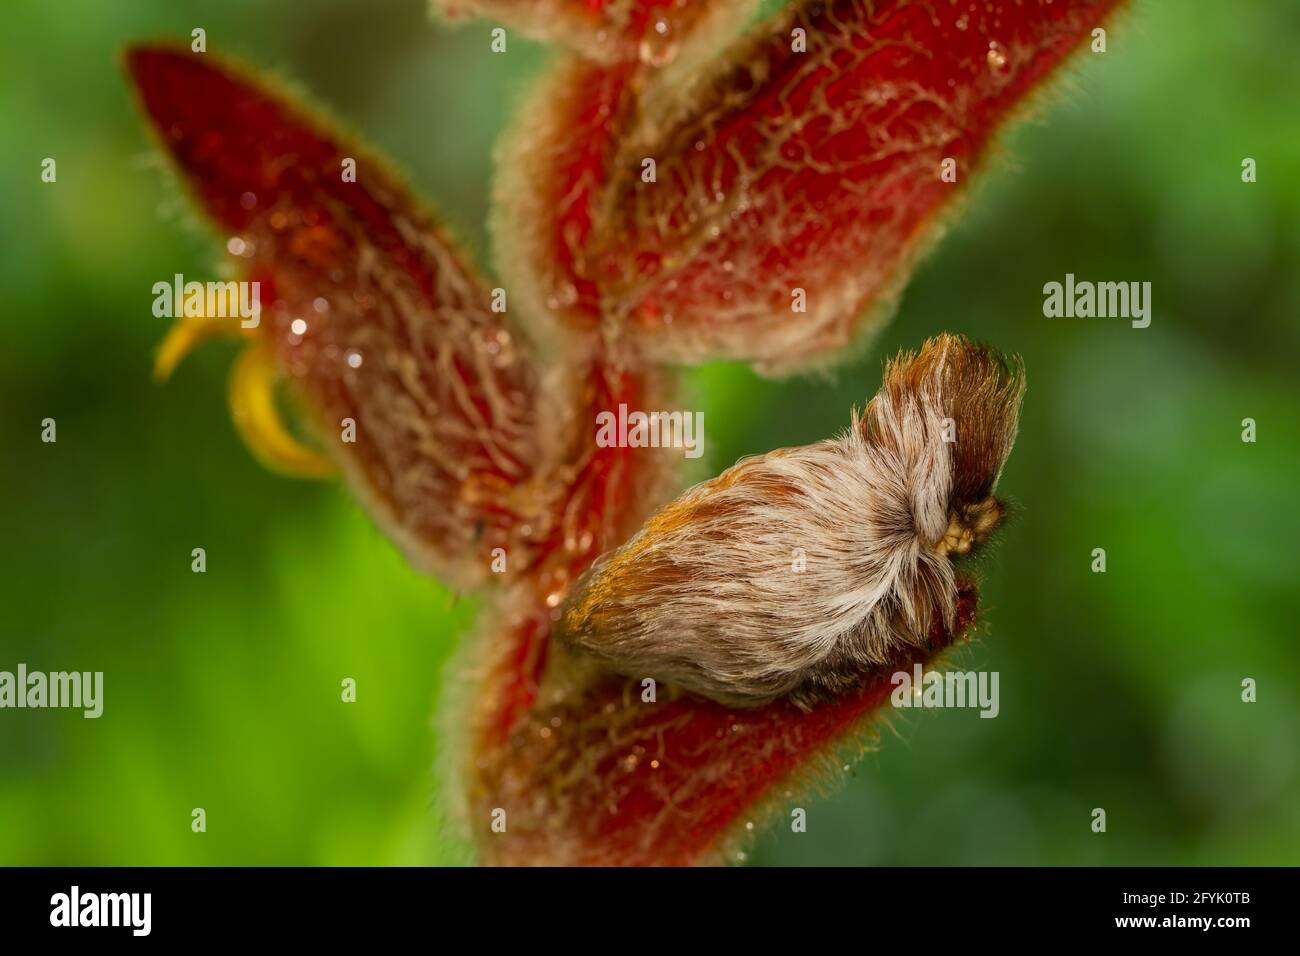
x: 805, y: 156
x: 609, y: 31
x: 812, y: 170
x: 367, y: 272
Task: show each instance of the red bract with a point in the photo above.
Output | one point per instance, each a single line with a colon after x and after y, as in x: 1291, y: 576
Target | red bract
x: 444, y: 403
x: 815, y: 171
x: 597, y: 777
x: 804, y: 160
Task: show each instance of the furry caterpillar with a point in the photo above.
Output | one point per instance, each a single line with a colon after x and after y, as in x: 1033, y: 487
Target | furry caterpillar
x: 712, y: 596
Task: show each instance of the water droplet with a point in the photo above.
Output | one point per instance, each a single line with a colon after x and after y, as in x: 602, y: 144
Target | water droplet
x: 354, y: 359
x: 997, y: 55
x: 657, y: 49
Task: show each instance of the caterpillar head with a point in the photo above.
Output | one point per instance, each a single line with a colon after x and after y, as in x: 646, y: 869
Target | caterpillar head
x: 793, y: 574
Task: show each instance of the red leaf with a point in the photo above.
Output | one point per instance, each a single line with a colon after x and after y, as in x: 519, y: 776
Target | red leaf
x: 443, y: 394
x: 554, y: 169
x: 820, y: 171
x: 596, y: 777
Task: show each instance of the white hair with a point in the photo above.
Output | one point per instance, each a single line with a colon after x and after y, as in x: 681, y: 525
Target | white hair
x: 793, y: 573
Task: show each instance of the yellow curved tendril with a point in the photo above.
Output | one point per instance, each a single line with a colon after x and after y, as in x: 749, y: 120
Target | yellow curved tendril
x: 251, y: 394
x: 257, y: 418
x: 187, y: 334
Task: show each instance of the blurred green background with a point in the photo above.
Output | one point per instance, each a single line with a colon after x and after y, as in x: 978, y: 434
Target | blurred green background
x: 1118, y: 690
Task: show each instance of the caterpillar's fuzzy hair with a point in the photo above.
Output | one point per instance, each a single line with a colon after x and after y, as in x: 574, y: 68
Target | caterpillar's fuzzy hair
x: 793, y: 573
